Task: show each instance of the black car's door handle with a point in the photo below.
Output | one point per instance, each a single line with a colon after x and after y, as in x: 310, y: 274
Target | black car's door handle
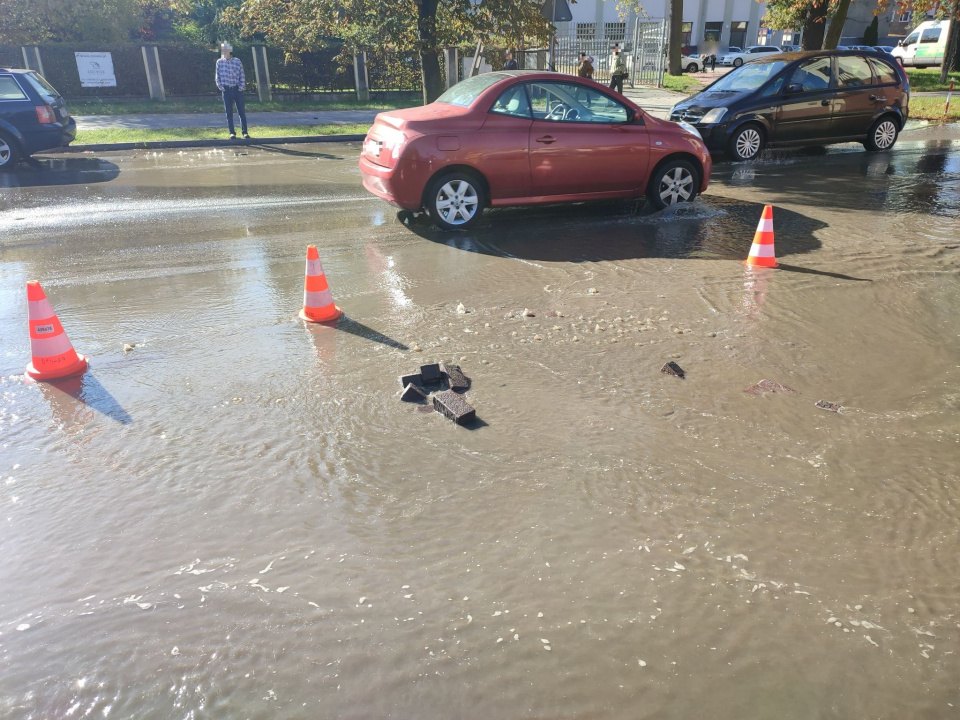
x: 824, y: 102
x: 547, y: 139
x: 877, y: 98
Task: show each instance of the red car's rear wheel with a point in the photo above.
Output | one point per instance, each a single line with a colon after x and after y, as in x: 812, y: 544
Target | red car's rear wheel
x: 455, y: 200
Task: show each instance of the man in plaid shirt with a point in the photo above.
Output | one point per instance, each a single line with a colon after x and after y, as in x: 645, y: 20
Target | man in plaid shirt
x: 231, y: 82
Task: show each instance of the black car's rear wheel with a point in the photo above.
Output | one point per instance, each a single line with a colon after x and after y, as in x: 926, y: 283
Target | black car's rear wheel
x: 9, y: 152
x: 883, y: 134
x: 674, y: 182
x: 747, y: 143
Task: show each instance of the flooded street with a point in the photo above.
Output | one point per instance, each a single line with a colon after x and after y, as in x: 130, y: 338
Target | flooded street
x: 238, y: 518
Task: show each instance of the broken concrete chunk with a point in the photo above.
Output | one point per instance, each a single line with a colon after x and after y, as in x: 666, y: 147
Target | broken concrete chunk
x: 414, y: 378
x: 769, y: 386
x: 453, y: 406
x: 827, y: 405
x: 455, y: 378
x: 671, y: 368
x: 412, y: 393
x: 430, y: 373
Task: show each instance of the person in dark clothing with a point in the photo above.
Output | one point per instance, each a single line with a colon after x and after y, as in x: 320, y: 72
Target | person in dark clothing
x: 585, y: 68
x: 510, y: 64
x: 618, y: 70
x: 713, y: 62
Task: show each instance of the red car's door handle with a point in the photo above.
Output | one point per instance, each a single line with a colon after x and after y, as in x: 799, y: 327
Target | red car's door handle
x: 547, y: 139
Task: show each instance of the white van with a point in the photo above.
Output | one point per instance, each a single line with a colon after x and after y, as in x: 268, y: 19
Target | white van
x: 925, y: 46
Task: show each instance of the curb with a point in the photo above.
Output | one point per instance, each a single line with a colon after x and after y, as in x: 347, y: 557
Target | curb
x: 240, y: 142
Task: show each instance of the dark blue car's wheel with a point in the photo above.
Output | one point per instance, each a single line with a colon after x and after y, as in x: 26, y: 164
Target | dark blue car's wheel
x: 9, y: 152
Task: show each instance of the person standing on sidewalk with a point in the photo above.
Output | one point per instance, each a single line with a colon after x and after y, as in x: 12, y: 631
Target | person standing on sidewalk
x: 510, y: 64
x: 585, y: 68
x: 713, y: 62
x: 231, y: 82
x: 618, y: 70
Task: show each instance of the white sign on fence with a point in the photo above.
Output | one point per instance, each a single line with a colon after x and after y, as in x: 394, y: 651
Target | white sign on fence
x: 96, y: 69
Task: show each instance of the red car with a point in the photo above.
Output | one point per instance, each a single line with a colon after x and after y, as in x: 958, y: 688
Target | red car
x: 521, y: 137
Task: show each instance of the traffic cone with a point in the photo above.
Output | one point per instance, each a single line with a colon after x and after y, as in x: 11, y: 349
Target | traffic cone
x: 317, y: 299
x: 761, y: 252
x: 52, y: 353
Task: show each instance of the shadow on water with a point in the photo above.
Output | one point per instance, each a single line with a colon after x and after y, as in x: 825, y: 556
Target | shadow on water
x: 355, y: 327
x: 67, y: 395
x: 297, y: 153
x: 43, y: 171
x: 713, y: 228
x: 824, y: 273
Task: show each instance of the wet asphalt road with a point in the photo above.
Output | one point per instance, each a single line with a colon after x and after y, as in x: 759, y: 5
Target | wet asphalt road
x: 239, y: 518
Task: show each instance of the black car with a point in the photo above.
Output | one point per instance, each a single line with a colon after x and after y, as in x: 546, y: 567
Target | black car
x: 33, y: 117
x: 805, y: 98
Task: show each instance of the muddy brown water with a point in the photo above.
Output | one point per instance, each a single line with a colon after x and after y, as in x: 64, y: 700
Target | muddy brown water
x: 239, y: 518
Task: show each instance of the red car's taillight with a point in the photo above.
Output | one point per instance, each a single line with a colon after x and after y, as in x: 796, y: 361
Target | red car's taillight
x: 46, y: 115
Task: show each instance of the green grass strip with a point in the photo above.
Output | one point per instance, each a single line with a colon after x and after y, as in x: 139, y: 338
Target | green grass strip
x: 214, y: 105
x: 931, y: 108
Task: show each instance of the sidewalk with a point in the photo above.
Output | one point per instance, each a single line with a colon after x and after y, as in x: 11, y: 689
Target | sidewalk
x: 160, y: 121
x: 656, y: 101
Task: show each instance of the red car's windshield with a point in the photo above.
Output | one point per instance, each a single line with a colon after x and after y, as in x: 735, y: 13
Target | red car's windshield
x: 465, y: 92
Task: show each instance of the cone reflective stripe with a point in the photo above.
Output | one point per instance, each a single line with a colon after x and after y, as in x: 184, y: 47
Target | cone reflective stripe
x: 318, y: 303
x: 52, y: 354
x: 761, y: 252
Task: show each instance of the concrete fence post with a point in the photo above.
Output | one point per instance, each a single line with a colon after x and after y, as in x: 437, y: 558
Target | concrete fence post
x: 262, y: 71
x: 151, y: 65
x: 451, y: 64
x: 360, y: 76
x: 32, y: 59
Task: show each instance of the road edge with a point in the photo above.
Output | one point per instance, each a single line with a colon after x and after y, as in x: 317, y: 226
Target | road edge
x: 240, y: 142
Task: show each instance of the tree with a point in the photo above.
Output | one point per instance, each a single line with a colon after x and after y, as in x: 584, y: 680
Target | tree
x: 871, y: 36
x: 675, y: 45
x: 837, y: 21
x: 790, y: 14
x: 421, y: 26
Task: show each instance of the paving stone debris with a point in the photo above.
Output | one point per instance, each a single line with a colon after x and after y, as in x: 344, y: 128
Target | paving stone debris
x: 827, y: 405
x: 671, y: 368
x: 414, y: 378
x: 412, y: 393
x: 453, y: 406
x: 769, y: 386
x: 430, y: 373
x: 455, y: 378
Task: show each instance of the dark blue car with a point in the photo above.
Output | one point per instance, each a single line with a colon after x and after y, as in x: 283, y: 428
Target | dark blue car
x: 33, y: 117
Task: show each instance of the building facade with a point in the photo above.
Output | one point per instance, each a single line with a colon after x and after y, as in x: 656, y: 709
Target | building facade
x: 708, y: 25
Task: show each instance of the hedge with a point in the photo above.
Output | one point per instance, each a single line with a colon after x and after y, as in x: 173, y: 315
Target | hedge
x: 191, y: 69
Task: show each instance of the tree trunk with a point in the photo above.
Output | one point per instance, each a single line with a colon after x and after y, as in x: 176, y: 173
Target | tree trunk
x: 835, y: 31
x: 950, y: 53
x: 429, y: 52
x: 814, y: 26
x: 675, y: 45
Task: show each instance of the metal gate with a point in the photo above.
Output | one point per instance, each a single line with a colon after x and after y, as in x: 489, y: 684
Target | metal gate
x: 649, y: 53
x: 566, y: 55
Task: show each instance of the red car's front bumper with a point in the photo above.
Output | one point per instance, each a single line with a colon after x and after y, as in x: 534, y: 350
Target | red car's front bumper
x: 400, y: 185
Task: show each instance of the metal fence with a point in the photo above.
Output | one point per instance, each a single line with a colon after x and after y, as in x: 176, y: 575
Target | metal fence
x: 649, y: 53
x: 10, y: 57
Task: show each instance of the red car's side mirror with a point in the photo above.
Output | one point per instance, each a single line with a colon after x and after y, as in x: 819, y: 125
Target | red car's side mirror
x: 637, y: 115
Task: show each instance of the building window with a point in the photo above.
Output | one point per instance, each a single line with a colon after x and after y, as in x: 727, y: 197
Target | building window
x: 687, y: 30
x: 711, y: 31
x: 615, y: 31
x: 586, y: 31
x: 738, y: 34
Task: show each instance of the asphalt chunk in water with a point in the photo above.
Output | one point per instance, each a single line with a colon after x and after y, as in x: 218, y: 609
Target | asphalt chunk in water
x: 829, y: 406
x: 671, y: 368
x: 412, y: 393
x: 411, y: 378
x: 769, y: 386
x: 430, y: 373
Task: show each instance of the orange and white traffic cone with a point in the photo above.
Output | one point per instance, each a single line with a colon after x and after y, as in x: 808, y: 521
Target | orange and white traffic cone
x: 318, y: 304
x: 761, y: 252
x: 52, y: 353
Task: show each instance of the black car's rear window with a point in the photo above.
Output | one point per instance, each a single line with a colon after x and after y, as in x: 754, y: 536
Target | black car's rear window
x: 9, y: 89
x: 885, y: 73
x: 47, y: 93
x: 465, y: 92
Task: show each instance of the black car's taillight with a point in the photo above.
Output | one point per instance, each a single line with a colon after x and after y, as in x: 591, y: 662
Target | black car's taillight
x: 45, y: 114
